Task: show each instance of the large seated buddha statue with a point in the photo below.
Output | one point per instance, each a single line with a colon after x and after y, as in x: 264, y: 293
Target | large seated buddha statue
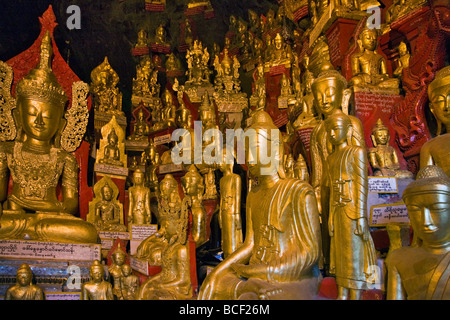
x: 36, y: 163
x: 280, y: 254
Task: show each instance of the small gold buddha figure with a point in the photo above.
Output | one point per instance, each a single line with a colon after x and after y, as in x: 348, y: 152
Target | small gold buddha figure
x: 193, y: 187
x: 169, y: 109
x: 421, y: 272
x: 207, y: 113
x: 142, y: 40
x: 173, y: 63
x: 259, y: 83
x: 38, y: 165
x: 437, y: 150
x: 139, y: 200
x: 289, y: 166
x: 368, y: 66
x: 400, y: 8
x: 188, y: 35
x: 111, y: 152
x: 130, y: 283
x: 329, y: 90
x: 118, y: 257
x: 254, y: 24
x: 183, y: 116
x: 151, y: 159
x: 353, y: 257
x: 382, y: 156
x: 97, y: 288
x: 281, y: 249
x: 403, y: 60
x: 141, y: 128
x: 107, y: 97
x: 210, y: 185
x: 105, y: 211
x: 169, y: 207
x: 227, y: 78
x: 281, y: 53
x: 160, y: 36
x: 301, y: 171
x: 197, y: 59
x: 146, y: 81
x: 174, y: 280
x: 24, y: 289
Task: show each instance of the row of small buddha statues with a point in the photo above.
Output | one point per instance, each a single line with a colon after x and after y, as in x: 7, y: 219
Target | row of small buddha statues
x: 293, y: 224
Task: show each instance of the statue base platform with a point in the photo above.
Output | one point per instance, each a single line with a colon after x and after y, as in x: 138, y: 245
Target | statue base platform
x: 155, y: 7
x: 147, y: 101
x: 52, y: 263
x: 140, y: 51
x: 160, y: 48
x: 136, y: 145
x: 195, y: 93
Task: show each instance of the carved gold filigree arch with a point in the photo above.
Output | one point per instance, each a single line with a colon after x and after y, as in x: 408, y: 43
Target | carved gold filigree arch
x: 8, y: 129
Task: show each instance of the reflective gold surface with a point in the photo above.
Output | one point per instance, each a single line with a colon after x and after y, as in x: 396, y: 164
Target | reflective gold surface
x: 421, y: 272
x: 139, y: 200
x: 24, y: 289
x: 97, y: 288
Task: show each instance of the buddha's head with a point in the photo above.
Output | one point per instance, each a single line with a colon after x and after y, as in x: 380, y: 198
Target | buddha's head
x: 119, y: 256
x: 402, y: 48
x: 226, y: 65
x: 428, y: 202
x: 328, y: 90
x: 138, y: 177
x: 96, y: 271
x: 126, y: 270
x: 207, y: 112
x: 113, y: 138
x: 167, y: 185
x: 40, y: 100
x: 368, y: 39
x: 439, y: 96
x: 338, y: 127
x: 380, y: 134
x: 278, y: 42
x: 167, y: 98
x: 24, y: 275
x: 107, y: 192
x: 183, y: 116
x: 264, y: 148
x: 192, y: 182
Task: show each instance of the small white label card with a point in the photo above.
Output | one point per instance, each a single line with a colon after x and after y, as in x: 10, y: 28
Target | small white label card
x: 142, y: 231
x: 383, y: 184
x: 381, y: 215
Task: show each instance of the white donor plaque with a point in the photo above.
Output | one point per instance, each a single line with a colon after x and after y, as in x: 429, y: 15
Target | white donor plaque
x: 162, y: 139
x: 142, y: 231
x: 139, y: 265
x: 383, y: 184
x: 391, y: 213
x: 62, y: 296
x: 49, y: 250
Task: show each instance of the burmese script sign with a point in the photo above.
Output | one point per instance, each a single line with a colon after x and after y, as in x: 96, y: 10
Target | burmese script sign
x: 62, y: 295
x: 391, y: 213
x: 142, y: 231
x: 383, y: 184
x: 49, y: 250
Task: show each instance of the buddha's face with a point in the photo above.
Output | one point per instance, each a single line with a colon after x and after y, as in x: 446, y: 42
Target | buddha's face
x: 429, y: 212
x: 40, y: 120
x: 119, y: 258
x: 263, y: 154
x: 112, y: 141
x: 327, y: 94
x: 278, y: 43
x: 337, y: 131
x: 138, y: 179
x: 369, y: 39
x: 24, y: 277
x: 191, y: 183
x: 226, y: 69
x: 381, y: 137
x: 96, y: 274
x: 166, y: 188
x: 440, y: 104
x: 126, y: 270
x: 107, y: 193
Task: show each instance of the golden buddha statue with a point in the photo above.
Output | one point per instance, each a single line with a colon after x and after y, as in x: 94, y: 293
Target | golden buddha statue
x: 139, y: 200
x: 142, y: 40
x: 151, y: 159
x: 146, y: 81
x: 301, y: 169
x: 193, y: 188
x: 105, y: 211
x: 403, y: 60
x: 37, y: 164
x: 421, y: 272
x: 368, y: 66
x: 210, y: 185
x: 227, y: 78
x: 382, y: 157
x: 289, y: 166
x: 24, y: 289
x: 183, y: 116
x: 97, y: 288
x: 107, y: 97
x: 169, y: 109
x: 169, y: 207
x: 280, y: 254
x: 173, y: 63
x: 353, y: 258
x: 207, y: 113
x: 118, y: 257
x: 130, y: 283
x: 329, y: 89
x: 400, y: 8
x: 437, y: 150
x: 198, y: 65
x: 141, y: 128
x: 111, y: 152
x: 160, y: 36
x: 281, y: 53
x: 174, y: 280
